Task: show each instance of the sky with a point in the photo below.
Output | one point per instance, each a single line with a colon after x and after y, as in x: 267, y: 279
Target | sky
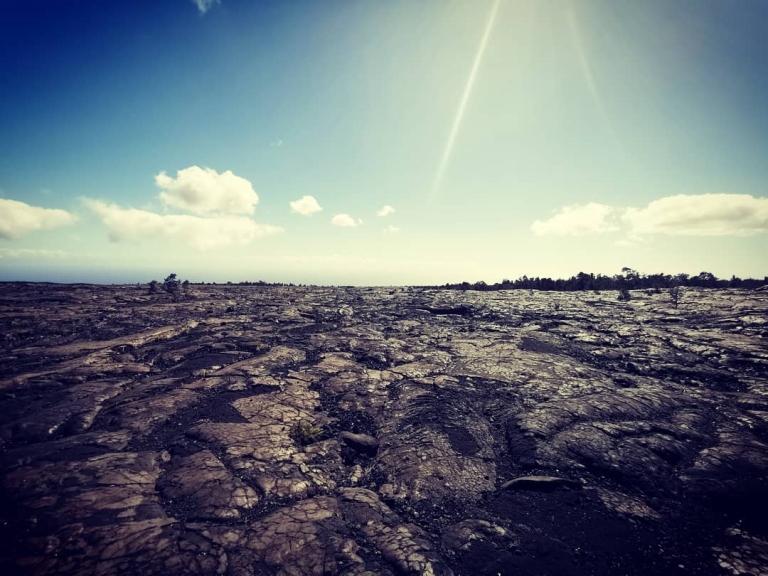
x: 364, y: 142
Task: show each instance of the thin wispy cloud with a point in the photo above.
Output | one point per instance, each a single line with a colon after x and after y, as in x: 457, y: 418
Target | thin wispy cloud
x: 345, y: 221
x: 391, y: 229
x: 385, y: 211
x: 306, y: 206
x: 328, y: 259
x: 18, y: 219
x: 16, y: 253
x: 204, y: 5
x: 276, y: 144
x: 205, y: 191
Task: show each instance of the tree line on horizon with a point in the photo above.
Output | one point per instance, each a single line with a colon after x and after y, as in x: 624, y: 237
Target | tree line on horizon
x: 629, y: 279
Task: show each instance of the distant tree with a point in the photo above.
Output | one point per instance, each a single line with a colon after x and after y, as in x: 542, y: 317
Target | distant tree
x: 153, y: 287
x: 704, y: 280
x: 584, y: 281
x: 631, y: 278
x: 682, y: 279
x: 171, y: 284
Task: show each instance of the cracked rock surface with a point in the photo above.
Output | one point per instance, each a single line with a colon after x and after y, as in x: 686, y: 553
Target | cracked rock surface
x: 360, y: 431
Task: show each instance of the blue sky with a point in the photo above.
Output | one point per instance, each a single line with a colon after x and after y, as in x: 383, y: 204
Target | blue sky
x: 140, y: 138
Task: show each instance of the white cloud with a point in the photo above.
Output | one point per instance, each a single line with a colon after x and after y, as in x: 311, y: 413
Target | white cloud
x: 30, y: 253
x: 577, y: 221
x: 18, y: 218
x: 682, y: 215
x: 200, y: 233
x: 306, y: 206
x: 276, y: 144
x: 385, y: 211
x: 205, y: 5
x: 345, y: 221
x: 205, y: 191
x: 391, y: 229
x: 701, y: 215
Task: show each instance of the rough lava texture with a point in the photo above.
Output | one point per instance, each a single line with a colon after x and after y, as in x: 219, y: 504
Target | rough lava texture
x: 309, y: 431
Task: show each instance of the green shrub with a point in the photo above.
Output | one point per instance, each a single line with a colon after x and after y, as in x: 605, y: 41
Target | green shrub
x: 304, y: 432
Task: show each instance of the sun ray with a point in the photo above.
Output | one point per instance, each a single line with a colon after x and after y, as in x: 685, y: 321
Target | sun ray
x: 464, y: 99
x: 589, y: 78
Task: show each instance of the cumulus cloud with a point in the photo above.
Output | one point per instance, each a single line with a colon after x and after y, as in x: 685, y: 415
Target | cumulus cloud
x: 205, y: 5
x: 306, y: 206
x: 701, y: 215
x: 205, y: 191
x: 577, y: 221
x: 18, y: 218
x: 345, y: 221
x: 681, y: 215
x: 391, y: 229
x: 385, y: 210
x: 201, y: 233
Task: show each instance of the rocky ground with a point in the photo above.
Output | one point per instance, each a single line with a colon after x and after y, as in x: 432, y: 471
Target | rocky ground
x: 262, y: 430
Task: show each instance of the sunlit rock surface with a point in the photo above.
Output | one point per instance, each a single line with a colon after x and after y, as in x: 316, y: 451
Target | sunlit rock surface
x: 265, y: 430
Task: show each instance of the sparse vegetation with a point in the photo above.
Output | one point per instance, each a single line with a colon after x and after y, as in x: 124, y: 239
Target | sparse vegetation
x: 304, y: 432
x: 171, y: 284
x: 624, y: 295
x: 674, y: 294
x: 629, y: 279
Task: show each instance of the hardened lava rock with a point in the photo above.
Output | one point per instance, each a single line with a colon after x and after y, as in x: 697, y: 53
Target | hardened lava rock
x: 252, y: 430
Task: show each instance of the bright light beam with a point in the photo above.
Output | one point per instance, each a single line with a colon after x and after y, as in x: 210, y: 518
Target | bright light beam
x: 589, y: 78
x: 464, y: 99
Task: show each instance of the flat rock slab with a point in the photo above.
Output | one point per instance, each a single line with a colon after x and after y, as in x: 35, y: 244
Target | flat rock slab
x: 359, y: 431
x: 204, y: 486
x: 540, y: 483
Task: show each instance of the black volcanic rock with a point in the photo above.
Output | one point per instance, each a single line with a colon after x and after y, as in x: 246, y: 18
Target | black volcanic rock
x: 541, y: 483
x: 361, y: 442
x: 350, y: 431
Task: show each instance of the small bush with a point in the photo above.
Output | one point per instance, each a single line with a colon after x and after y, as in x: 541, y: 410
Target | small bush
x: 171, y: 284
x: 153, y: 287
x: 674, y: 294
x: 624, y: 295
x: 305, y: 432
